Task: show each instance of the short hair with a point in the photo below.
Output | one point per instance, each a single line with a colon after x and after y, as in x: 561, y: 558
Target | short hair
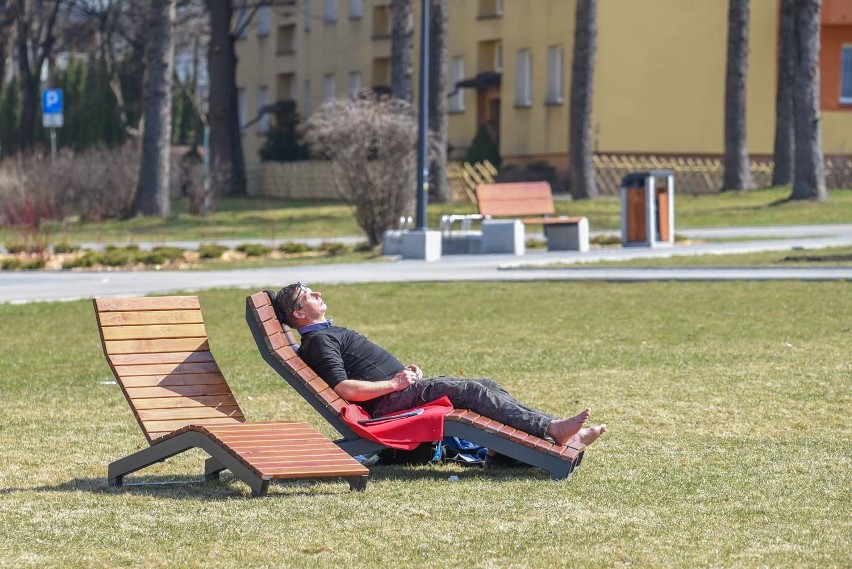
x: 287, y: 301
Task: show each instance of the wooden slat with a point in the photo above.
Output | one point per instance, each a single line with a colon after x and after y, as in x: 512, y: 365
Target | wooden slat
x: 173, y: 380
x: 154, y: 331
x: 179, y: 401
x: 184, y: 391
x: 147, y: 303
x: 173, y: 425
x: 161, y: 358
x: 167, y: 369
x: 552, y: 220
x: 259, y: 299
x: 151, y: 317
x: 265, y: 313
x: 271, y: 327
x: 515, y: 199
x: 155, y: 346
x: 189, y: 414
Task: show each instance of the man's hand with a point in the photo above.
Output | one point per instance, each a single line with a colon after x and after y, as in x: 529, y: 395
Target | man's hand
x: 403, y: 379
x: 417, y: 371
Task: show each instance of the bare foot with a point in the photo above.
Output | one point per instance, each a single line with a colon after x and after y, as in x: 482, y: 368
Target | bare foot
x: 561, y: 430
x: 590, y: 434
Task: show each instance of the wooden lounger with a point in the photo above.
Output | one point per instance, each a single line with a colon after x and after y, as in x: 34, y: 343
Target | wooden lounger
x: 158, y: 350
x: 277, y: 346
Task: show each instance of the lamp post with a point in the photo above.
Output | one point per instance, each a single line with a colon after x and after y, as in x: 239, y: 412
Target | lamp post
x: 423, y: 129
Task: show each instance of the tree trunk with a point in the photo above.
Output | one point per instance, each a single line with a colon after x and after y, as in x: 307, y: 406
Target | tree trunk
x: 580, y: 144
x: 737, y: 173
x: 439, y: 190
x: 226, y: 145
x: 402, y: 50
x: 782, y: 172
x: 809, y: 169
x: 152, y: 192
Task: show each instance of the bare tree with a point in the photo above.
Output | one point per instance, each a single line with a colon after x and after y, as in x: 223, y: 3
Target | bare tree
x: 737, y: 172
x: 34, y: 23
x: 402, y: 50
x: 809, y: 170
x: 782, y: 173
x: 152, y: 192
x: 372, y: 144
x: 580, y: 144
x: 439, y: 190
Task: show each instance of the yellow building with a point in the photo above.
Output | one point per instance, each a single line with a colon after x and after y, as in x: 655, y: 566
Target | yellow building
x: 659, y: 79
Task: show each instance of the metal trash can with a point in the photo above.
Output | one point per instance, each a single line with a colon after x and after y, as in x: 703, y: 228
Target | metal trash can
x: 647, y: 209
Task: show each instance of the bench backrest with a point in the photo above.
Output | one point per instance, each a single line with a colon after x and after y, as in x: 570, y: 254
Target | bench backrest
x: 515, y: 199
x: 278, y: 347
x: 158, y: 351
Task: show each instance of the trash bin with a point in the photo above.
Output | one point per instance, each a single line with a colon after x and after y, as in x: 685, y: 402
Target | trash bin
x: 647, y: 209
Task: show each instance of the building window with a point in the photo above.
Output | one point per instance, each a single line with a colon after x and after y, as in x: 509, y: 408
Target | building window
x: 309, y: 17
x: 242, y: 111
x: 242, y: 19
x: 263, y: 21
x: 330, y: 13
x: 286, y: 87
x: 329, y: 88
x: 286, y: 40
x: 457, y: 74
x: 846, y: 75
x: 490, y: 8
x: 263, y: 118
x: 381, y: 22
x: 490, y: 56
x: 555, y: 74
x: 356, y: 9
x: 355, y: 85
x: 523, y: 78
x: 381, y: 72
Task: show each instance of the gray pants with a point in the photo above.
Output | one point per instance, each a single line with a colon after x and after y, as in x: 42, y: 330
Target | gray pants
x: 482, y: 396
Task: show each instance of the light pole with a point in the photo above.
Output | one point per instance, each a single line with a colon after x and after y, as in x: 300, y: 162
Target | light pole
x: 423, y: 130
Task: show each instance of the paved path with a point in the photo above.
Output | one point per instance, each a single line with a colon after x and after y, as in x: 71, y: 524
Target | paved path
x: 66, y: 285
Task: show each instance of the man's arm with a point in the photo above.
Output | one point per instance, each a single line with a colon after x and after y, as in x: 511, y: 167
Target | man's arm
x: 357, y: 390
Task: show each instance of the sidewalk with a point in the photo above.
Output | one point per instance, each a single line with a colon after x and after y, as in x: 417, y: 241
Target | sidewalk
x: 18, y: 287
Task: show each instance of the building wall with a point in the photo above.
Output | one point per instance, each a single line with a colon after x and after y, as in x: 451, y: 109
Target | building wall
x: 659, y: 80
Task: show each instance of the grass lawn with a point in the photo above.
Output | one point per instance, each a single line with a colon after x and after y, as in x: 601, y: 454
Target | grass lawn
x: 282, y: 219
x: 728, y: 404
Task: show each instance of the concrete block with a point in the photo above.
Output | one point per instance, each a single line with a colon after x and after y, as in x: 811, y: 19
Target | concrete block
x: 424, y: 245
x: 568, y: 237
x: 461, y: 243
x: 503, y: 236
x: 392, y: 242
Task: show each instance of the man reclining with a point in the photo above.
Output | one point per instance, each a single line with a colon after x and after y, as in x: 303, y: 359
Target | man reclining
x: 361, y: 372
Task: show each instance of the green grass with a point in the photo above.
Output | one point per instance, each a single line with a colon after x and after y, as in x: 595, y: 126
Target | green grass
x: 728, y: 404
x: 269, y: 218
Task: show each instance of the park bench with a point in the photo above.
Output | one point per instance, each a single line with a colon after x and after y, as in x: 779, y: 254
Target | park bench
x: 278, y: 347
x: 158, y: 351
x: 531, y: 203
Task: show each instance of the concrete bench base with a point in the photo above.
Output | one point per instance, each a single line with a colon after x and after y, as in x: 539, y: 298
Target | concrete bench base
x: 503, y: 236
x: 568, y: 236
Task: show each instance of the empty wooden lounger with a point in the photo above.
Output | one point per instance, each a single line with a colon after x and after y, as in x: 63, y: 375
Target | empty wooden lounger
x: 157, y: 349
x: 277, y: 346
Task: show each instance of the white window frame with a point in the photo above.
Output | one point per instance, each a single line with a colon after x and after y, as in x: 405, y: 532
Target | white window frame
x: 498, y: 56
x: 523, y: 77
x: 263, y: 120
x: 263, y: 21
x: 846, y: 74
x: 242, y: 109
x: 329, y: 87
x: 457, y: 72
x: 555, y: 74
x: 330, y: 11
x: 356, y: 84
x: 356, y: 9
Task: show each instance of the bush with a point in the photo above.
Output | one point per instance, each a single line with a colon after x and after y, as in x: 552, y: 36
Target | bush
x: 170, y: 253
x: 294, y: 247
x: 11, y: 264
x: 363, y: 247
x: 254, y: 249
x: 64, y: 247
x: 211, y: 251
x: 371, y: 142
x: 333, y: 248
x: 482, y: 148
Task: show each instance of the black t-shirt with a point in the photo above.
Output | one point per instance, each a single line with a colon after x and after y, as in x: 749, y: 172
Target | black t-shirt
x: 337, y: 353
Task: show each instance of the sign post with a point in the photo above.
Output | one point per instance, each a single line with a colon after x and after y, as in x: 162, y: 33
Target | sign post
x: 52, y: 117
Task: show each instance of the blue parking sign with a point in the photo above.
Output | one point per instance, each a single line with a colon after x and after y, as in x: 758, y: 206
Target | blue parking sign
x: 51, y: 107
